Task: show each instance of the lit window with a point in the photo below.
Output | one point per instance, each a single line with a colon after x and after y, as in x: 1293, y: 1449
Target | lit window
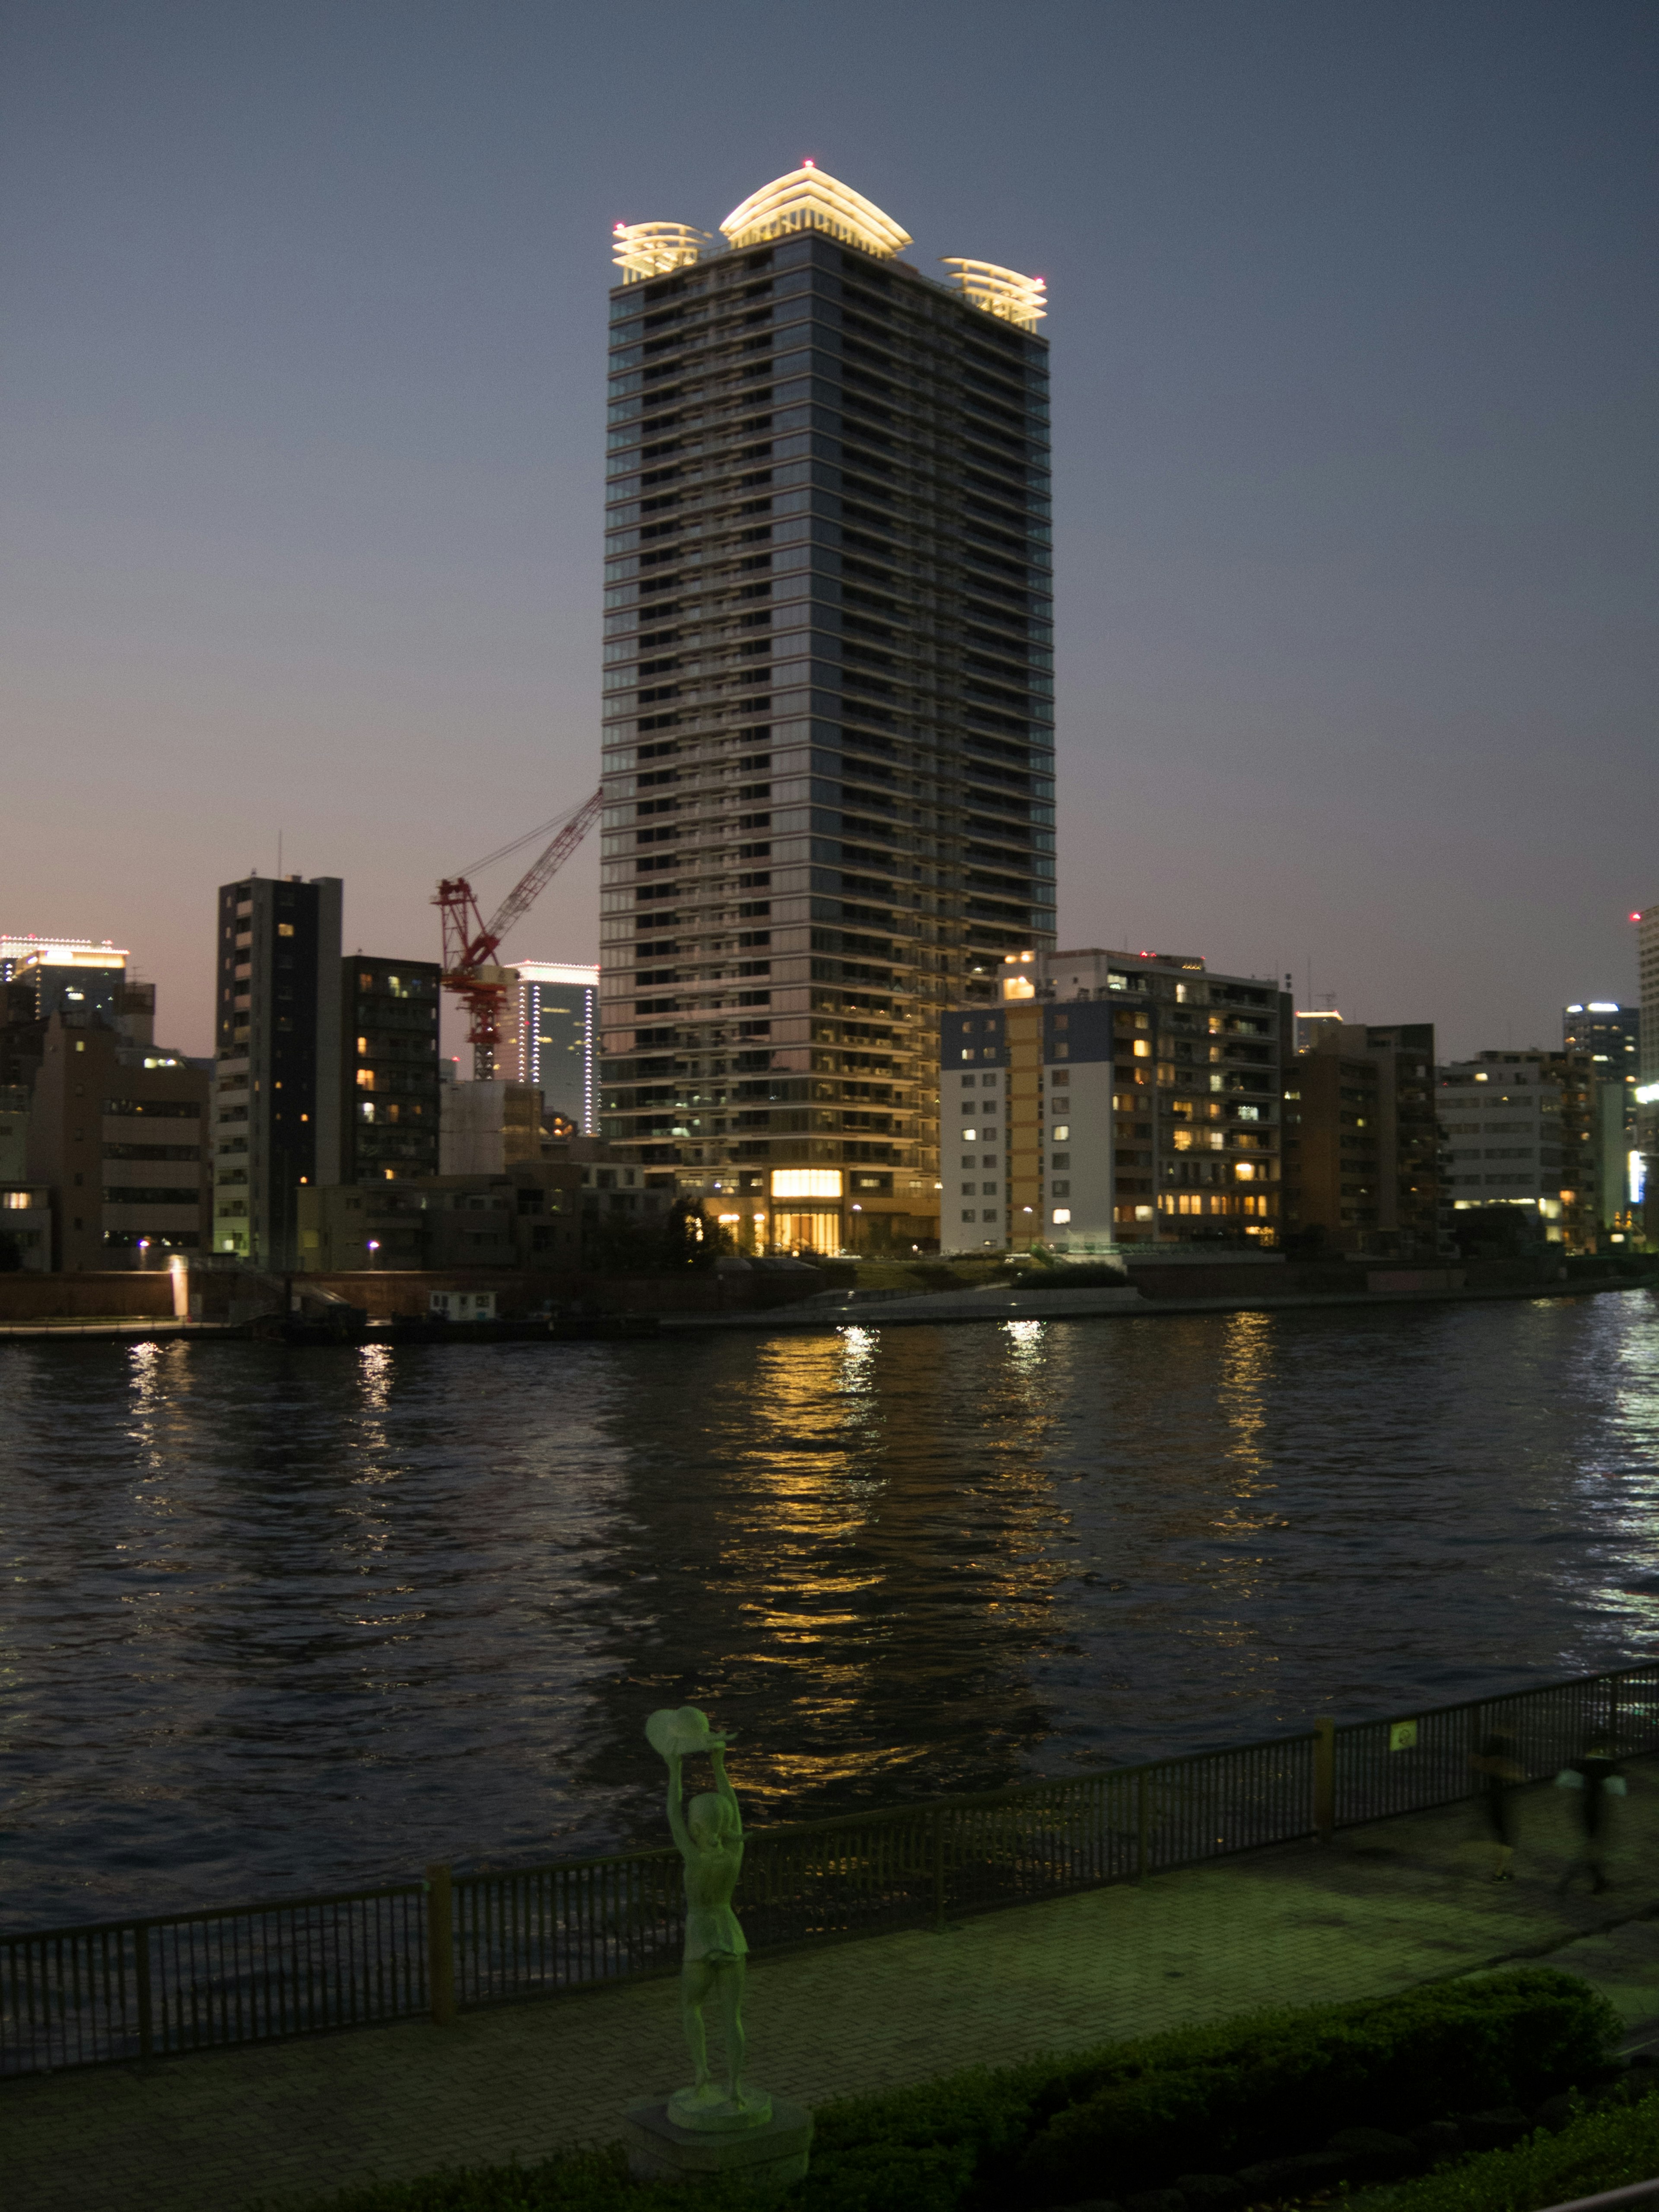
x: 1062, y: 1132
x: 1243, y: 1169
x: 363, y: 1044
x: 1062, y: 1215
x: 1143, y: 1048
x: 970, y: 1136
x: 807, y: 1182
x: 285, y: 929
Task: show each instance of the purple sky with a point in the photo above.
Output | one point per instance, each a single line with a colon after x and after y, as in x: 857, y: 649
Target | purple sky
x: 1354, y: 330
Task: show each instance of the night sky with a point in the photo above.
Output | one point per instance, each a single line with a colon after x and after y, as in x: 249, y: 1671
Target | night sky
x: 1354, y: 330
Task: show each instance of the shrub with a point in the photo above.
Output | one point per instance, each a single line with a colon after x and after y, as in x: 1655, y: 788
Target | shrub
x: 1128, y: 2115
x: 1601, y: 2150
x: 1225, y: 2097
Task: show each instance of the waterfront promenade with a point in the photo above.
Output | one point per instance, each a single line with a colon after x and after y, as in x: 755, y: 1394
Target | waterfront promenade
x: 1386, y: 1907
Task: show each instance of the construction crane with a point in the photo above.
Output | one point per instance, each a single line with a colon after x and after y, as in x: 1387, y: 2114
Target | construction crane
x: 471, y: 943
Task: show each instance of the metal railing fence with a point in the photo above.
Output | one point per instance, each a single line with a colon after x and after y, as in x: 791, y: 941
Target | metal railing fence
x: 238, y: 1974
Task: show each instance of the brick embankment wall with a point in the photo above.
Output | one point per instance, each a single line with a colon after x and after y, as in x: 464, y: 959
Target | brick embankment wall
x: 26, y: 1296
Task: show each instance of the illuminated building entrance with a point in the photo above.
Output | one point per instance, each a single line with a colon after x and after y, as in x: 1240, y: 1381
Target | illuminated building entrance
x: 806, y: 1210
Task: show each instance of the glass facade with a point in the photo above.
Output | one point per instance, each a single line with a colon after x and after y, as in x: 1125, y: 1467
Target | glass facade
x: 828, y: 730
x: 553, y: 1017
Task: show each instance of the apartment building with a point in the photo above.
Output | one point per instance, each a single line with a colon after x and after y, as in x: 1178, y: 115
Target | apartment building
x: 277, y: 1088
x: 1140, y: 1098
x: 1361, y: 1142
x: 828, y: 702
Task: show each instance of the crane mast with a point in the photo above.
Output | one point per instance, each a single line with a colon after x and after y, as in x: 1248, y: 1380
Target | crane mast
x: 471, y: 969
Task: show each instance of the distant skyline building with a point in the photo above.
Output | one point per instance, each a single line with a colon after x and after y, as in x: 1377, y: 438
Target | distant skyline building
x: 277, y: 1086
x: 829, y: 699
x: 73, y: 977
x: 549, y: 1037
x: 1610, y: 1033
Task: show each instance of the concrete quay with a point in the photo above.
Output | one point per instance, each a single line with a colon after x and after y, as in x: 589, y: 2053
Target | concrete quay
x: 1384, y: 1908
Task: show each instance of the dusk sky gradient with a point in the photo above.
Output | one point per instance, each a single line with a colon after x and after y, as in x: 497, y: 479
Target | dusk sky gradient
x: 1354, y: 327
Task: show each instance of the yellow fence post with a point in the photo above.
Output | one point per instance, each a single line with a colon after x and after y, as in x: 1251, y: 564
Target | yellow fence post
x: 441, y: 1945
x: 1324, y: 1779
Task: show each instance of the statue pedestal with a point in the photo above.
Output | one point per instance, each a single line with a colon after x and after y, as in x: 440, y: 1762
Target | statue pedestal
x: 769, y: 2156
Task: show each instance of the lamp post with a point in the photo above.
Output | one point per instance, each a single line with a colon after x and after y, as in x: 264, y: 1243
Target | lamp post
x: 374, y: 1251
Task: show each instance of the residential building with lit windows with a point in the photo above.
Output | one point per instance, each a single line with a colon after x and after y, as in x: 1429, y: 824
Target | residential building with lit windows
x: 277, y: 1079
x: 1519, y: 1131
x: 1140, y: 1105
x: 389, y: 1061
x: 550, y: 1039
x: 829, y: 704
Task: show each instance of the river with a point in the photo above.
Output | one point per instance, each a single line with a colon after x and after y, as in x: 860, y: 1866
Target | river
x: 281, y: 1620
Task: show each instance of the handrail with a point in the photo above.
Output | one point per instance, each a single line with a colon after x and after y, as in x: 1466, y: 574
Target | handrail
x: 224, y: 1974
x: 1636, y: 2192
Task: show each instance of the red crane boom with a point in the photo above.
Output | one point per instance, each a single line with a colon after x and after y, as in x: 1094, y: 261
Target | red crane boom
x: 470, y: 944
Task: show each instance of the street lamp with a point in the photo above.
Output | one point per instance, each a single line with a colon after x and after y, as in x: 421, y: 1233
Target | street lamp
x: 373, y: 1247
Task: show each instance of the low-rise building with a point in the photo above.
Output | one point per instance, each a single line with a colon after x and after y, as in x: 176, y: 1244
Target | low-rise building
x: 117, y: 1134
x: 1518, y: 1129
x: 528, y: 1216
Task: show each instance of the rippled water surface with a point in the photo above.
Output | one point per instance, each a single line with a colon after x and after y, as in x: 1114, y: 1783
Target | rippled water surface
x: 278, y: 1621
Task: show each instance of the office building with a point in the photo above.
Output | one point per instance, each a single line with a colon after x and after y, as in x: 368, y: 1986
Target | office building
x: 68, y: 975
x: 277, y: 1076
x: 389, y: 1064
x: 1140, y: 1097
x: 1519, y: 1133
x: 828, y: 702
x: 550, y: 1039
x: 1361, y: 1141
x: 1612, y: 1034
x: 117, y: 1133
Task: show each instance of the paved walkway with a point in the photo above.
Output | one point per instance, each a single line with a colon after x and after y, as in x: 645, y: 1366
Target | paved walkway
x: 1385, y: 1907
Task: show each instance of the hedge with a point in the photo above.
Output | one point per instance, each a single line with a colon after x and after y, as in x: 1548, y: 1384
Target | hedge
x: 1126, y: 2115
x: 1604, y: 2149
x: 1227, y: 2096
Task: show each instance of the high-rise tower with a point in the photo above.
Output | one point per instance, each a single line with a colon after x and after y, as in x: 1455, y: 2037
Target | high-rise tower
x: 829, y: 762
